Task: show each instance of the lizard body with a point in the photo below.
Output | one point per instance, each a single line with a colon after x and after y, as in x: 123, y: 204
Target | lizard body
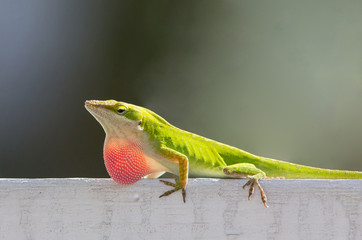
x: 139, y: 143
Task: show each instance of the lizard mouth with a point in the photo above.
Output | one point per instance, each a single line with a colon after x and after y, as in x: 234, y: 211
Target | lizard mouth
x: 100, y: 103
x: 91, y: 105
x: 90, y: 102
x: 99, y: 111
x: 94, y: 108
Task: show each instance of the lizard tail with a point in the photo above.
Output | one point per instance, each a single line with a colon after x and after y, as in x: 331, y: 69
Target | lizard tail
x: 293, y: 171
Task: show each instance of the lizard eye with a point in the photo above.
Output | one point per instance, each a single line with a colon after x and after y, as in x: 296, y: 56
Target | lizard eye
x: 121, y: 109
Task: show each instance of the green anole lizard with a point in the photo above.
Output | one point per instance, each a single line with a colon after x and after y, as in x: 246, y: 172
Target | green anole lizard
x: 139, y: 143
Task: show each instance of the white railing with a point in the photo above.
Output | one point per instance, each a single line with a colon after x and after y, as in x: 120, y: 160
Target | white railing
x: 214, y: 209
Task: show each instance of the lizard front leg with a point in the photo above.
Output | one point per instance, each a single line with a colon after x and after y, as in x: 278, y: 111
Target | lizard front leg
x: 183, y: 165
x: 248, y: 170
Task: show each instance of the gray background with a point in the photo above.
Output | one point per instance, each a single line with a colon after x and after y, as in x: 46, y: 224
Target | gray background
x: 281, y: 79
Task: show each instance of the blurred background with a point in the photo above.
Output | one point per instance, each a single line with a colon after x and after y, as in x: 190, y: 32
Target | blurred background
x: 281, y: 79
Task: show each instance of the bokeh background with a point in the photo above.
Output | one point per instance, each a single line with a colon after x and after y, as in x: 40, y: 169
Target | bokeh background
x: 279, y: 78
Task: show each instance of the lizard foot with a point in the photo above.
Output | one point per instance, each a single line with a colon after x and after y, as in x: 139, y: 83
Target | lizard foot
x: 251, y: 183
x: 176, y: 186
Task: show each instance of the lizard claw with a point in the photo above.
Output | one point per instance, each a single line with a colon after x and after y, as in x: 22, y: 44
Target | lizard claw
x: 176, y: 188
x: 168, y: 183
x: 252, y: 182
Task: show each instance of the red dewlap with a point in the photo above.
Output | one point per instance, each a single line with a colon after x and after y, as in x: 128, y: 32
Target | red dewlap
x: 125, y: 162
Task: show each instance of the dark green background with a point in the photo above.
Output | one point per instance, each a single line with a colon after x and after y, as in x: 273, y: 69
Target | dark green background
x: 281, y: 79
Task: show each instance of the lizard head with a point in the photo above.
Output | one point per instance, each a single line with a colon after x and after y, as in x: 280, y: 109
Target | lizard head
x: 123, y: 150
x: 116, y: 117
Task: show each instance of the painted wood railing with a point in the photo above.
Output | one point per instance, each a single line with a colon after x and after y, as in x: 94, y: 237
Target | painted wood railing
x: 214, y: 209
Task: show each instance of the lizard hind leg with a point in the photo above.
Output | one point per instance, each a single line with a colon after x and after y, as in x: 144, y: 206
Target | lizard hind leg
x: 247, y: 170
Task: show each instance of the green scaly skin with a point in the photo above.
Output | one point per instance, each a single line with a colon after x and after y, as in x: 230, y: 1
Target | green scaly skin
x: 189, y: 155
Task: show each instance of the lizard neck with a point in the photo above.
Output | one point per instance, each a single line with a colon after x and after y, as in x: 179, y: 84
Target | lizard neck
x: 125, y: 160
